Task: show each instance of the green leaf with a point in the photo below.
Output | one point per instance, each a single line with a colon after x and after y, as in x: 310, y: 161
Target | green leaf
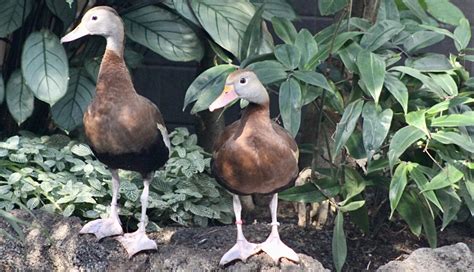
x: 314, y: 78
x: 380, y: 33
x: 348, y: 56
x: 409, y: 211
x: 69, y: 210
x: 417, y: 174
x: 354, y: 185
x: 183, y: 8
x: 446, y: 177
x: 330, y: 47
x: 207, y: 85
x: 284, y: 29
x: 276, y: 8
x: 450, y: 103
x: 451, y: 205
x: 454, y: 120
x: 462, y: 33
x: 397, y: 186
x: 444, y: 11
x: 289, y: 55
x: 346, y: 126
x: 427, y: 81
x: 399, y: 91
x: 164, y: 33
x: 417, y: 119
x: 252, y: 39
x: 307, y: 193
x: 468, y: 199
x: 20, y: 99
x: 307, y: 46
x: 45, y: 66
x: 12, y: 14
x: 328, y: 7
x: 417, y: 10
x: 63, y: 10
x: 450, y: 137
x: 446, y: 82
x: 430, y: 62
x: 268, y: 71
x: 339, y: 246
x: 421, y: 39
x: 429, y: 227
x: 372, y: 72
x: 388, y: 11
x: 68, y: 112
x: 375, y: 127
x: 290, y: 105
x: 402, y: 139
x: 352, y: 206
x: 225, y: 23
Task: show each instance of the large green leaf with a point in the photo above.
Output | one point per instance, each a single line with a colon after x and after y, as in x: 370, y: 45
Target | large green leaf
x: 454, y: 120
x: 417, y: 10
x: 339, y: 245
x: 289, y: 55
x: 447, y: 104
x: 328, y: 7
x: 330, y: 47
x: 307, y: 46
x: 444, y: 11
x: 446, y: 82
x: 388, y: 11
x: 409, y: 211
x: 12, y: 12
x: 314, y: 78
x: 417, y: 174
x: 417, y: 119
x: 225, y: 23
x: 2, y: 89
x: 375, y: 127
x: 253, y: 36
x: 346, y: 126
x: 268, y: 71
x: 207, y: 87
x: 68, y: 112
x: 290, y: 105
x: 451, y: 137
x: 397, y: 186
x: 183, y: 8
x: 380, y: 33
x: 45, y: 66
x: 431, y: 62
x: 276, y: 8
x: 307, y: 193
x: 446, y: 177
x: 426, y: 80
x: 164, y: 33
x: 284, y: 29
x: 421, y: 39
x: 402, y: 139
x: 66, y: 12
x: 348, y: 56
x: 429, y: 227
x: 462, y: 34
x: 399, y: 90
x: 451, y: 203
x: 372, y: 72
x: 20, y: 99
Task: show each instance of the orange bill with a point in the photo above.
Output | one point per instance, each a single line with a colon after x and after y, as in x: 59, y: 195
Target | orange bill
x: 227, y: 96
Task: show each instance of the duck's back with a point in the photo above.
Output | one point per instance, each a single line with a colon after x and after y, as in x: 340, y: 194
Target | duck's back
x: 121, y: 126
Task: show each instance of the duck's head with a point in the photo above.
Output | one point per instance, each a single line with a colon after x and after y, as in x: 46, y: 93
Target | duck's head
x: 241, y: 84
x: 102, y: 20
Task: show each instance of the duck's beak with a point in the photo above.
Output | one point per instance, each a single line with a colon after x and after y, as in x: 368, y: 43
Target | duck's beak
x: 79, y: 31
x: 227, y: 96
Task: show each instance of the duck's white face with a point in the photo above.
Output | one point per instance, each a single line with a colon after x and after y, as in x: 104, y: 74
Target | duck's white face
x: 103, y: 21
x: 241, y: 84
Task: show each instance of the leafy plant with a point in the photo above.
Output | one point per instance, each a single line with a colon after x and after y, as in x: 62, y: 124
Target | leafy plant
x: 56, y: 174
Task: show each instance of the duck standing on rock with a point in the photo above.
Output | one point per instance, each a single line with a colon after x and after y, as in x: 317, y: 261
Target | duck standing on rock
x: 124, y: 129
x: 254, y: 155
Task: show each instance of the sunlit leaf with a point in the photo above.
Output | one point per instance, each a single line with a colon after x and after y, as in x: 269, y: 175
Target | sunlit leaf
x: 421, y: 39
x: 397, y: 185
x: 380, y: 33
x: 314, y: 78
x: 346, y: 125
x: 349, y: 56
x: 284, y: 29
x: 388, y: 11
x: 444, y: 11
x: 252, y: 39
x: 430, y: 62
x: 20, y: 99
x: 417, y: 119
x: 268, y: 71
x: 307, y: 46
x: 352, y: 206
x: 399, y: 91
x: 454, y: 120
x: 446, y: 82
x: 290, y: 105
x: 447, y: 104
x: 288, y: 54
x: 462, y: 34
x: 402, y: 139
x: 448, y: 176
x: 339, y: 246
x: 427, y: 81
x: 375, y: 127
x: 451, y: 137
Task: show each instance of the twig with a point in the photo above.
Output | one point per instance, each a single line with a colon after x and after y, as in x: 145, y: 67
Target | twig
x: 425, y: 150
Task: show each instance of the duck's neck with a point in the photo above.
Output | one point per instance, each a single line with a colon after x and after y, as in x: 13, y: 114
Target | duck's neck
x: 115, y: 42
x: 257, y: 113
x: 114, y: 77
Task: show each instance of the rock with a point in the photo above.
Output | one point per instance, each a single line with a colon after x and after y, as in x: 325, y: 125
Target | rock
x: 456, y: 257
x: 56, y: 246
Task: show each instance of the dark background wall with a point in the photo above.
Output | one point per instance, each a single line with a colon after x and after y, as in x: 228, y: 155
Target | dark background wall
x: 165, y: 82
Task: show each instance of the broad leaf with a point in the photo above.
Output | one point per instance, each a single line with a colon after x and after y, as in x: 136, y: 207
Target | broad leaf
x: 66, y: 12
x: 451, y: 203
x: 417, y: 174
x: 468, y: 199
x: 225, y: 23
x: 352, y: 206
x: 417, y: 10
x: 346, y: 126
x: 290, y: 105
x: 348, y: 56
x: 409, y: 211
x: 462, y: 33
x: 427, y: 81
x: 397, y: 185
x: 444, y: 11
x: 451, y: 137
x: 20, y: 99
x: 372, y: 72
x: 431, y: 62
x: 276, y: 8
x: 268, y: 71
x: 68, y: 112
x: 253, y: 37
x: 398, y: 89
x: 164, y: 33
x: 375, y: 127
x: 380, y: 33
x: 45, y: 66
x: 421, y: 39
x: 417, y: 119
x: 446, y: 177
x: 328, y: 48
x: 354, y: 185
x: 284, y: 29
x: 207, y: 87
x: 339, y: 245
x: 314, y: 78
x: 183, y: 8
x: 402, y: 139
x: 328, y: 7
x: 289, y: 55
x: 388, y: 11
x: 446, y: 82
x: 307, y: 46
x: 454, y: 120
x: 11, y: 14
x: 447, y: 104
x: 429, y: 227
x: 307, y: 193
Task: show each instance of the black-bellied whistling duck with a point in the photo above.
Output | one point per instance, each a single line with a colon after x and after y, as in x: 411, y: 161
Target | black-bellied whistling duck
x: 254, y: 155
x: 125, y: 130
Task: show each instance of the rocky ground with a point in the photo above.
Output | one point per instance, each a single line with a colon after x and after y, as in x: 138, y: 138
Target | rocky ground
x: 58, y: 247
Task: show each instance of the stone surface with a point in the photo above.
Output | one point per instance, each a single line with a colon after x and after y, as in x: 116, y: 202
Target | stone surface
x: 457, y: 257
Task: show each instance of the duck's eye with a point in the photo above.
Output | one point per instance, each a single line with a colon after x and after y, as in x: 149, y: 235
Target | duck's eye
x: 94, y: 18
x: 243, y: 80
